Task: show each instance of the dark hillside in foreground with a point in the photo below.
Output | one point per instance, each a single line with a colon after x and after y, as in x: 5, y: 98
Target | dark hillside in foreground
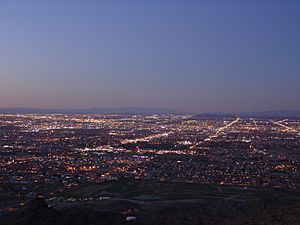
x: 148, y: 203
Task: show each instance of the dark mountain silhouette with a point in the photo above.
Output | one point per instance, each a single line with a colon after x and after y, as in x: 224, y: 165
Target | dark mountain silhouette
x: 151, y: 111
x: 265, y: 114
x: 122, y: 110
x: 273, y: 113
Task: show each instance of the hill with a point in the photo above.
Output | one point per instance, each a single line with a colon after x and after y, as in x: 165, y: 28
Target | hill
x: 164, y: 203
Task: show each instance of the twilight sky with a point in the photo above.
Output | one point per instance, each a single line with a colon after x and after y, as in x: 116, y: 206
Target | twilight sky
x: 196, y: 56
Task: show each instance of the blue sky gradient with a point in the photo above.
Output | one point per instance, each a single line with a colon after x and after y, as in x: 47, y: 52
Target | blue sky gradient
x: 197, y: 56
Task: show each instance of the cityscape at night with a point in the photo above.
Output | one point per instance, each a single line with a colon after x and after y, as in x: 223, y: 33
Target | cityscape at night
x: 62, y: 151
x: 45, y: 155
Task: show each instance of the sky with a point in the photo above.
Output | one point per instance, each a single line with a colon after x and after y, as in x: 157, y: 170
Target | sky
x: 192, y: 56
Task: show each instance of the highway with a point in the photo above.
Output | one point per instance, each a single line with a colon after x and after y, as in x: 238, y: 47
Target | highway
x: 217, y: 131
x: 148, y: 138
x: 279, y: 123
x: 255, y: 123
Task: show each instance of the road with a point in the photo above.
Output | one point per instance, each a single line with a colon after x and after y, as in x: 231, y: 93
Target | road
x: 217, y: 131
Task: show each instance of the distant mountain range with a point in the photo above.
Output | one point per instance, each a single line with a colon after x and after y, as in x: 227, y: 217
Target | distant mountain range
x: 274, y: 113
x: 122, y: 110
x: 151, y: 111
x: 264, y: 114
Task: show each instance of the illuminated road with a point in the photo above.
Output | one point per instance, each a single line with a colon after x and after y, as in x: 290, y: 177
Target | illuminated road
x: 216, y: 134
x: 291, y: 129
x: 146, y: 139
x: 227, y: 126
x: 255, y: 123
